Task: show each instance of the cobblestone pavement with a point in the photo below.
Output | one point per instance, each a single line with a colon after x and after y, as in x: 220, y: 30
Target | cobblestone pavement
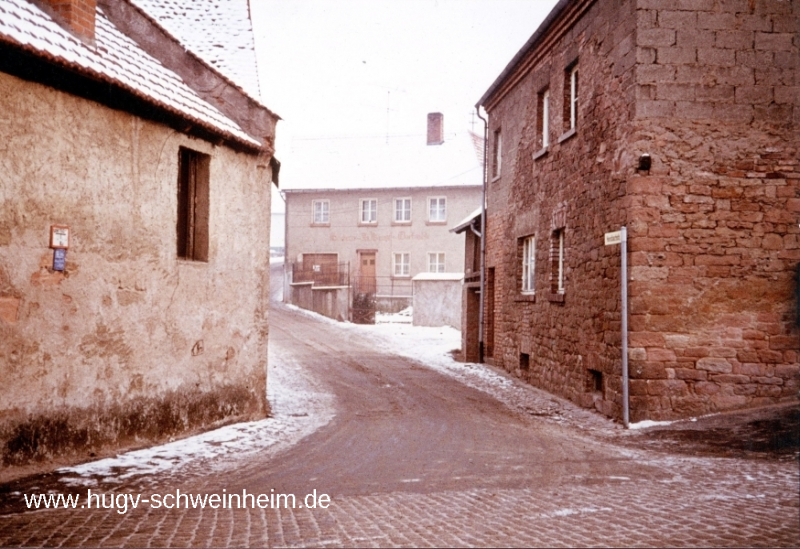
x: 706, y: 502
x: 417, y: 458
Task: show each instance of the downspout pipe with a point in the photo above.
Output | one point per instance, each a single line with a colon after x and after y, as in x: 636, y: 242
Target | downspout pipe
x: 483, y: 233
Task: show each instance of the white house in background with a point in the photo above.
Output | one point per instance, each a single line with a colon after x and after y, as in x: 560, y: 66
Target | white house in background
x: 344, y: 241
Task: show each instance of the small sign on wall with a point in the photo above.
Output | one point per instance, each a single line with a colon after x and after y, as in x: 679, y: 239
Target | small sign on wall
x: 59, y: 259
x: 613, y: 238
x: 59, y: 236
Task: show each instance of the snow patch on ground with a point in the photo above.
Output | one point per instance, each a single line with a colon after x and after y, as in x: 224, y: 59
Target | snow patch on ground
x: 648, y: 423
x: 406, y: 316
x: 298, y: 409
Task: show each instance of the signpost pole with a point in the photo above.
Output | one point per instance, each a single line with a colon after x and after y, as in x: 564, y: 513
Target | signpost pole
x: 624, y: 288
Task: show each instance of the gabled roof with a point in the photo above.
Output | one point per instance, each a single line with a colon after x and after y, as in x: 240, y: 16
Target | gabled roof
x: 114, y: 59
x: 522, y: 55
x: 378, y: 162
x: 219, y: 31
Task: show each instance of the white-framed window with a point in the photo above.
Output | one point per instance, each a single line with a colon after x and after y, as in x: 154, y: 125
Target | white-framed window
x: 572, y: 99
x: 544, y: 117
x: 436, y: 262
x: 437, y: 209
x: 557, y: 255
x: 402, y: 210
x: 369, y: 210
x: 322, y: 210
x: 401, y: 264
x: 497, y: 150
x: 528, y: 264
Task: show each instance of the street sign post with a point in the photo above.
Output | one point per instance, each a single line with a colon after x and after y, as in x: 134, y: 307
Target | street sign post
x: 621, y: 237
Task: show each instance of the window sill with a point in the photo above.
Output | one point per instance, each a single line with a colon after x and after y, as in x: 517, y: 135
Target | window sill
x: 401, y: 223
x: 567, y: 135
x: 556, y: 298
x: 537, y: 155
x: 436, y: 222
x: 525, y: 298
x: 372, y: 224
x: 320, y: 224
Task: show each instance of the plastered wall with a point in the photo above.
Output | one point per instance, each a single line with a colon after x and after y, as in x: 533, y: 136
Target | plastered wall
x: 129, y: 342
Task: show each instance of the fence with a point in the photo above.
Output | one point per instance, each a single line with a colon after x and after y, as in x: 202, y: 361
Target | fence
x: 324, y: 274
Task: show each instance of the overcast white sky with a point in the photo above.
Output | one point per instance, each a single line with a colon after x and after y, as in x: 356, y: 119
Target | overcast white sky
x: 335, y: 70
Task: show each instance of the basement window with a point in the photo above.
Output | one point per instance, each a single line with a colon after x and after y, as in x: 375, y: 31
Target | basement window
x: 524, y: 362
x: 594, y: 383
x: 193, y: 205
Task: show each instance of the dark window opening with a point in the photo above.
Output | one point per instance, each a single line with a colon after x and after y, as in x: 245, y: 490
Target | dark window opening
x: 193, y: 206
x: 595, y: 381
x: 524, y: 362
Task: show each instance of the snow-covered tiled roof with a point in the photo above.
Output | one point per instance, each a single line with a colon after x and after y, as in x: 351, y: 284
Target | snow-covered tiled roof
x: 114, y: 58
x: 218, y: 31
x: 404, y: 161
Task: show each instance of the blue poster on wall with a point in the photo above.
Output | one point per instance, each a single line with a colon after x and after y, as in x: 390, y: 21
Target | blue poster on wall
x: 59, y: 259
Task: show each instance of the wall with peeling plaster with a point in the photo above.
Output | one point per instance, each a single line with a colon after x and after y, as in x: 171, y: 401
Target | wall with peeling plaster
x: 129, y: 342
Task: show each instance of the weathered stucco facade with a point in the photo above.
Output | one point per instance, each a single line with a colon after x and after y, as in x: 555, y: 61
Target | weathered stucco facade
x: 706, y: 89
x: 349, y: 243
x: 129, y: 342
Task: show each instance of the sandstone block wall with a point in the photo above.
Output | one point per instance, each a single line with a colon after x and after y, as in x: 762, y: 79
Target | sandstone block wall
x: 714, y: 228
x: 709, y: 90
x: 577, y: 185
x: 129, y: 343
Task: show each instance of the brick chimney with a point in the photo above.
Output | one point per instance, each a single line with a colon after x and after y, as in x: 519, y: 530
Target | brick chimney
x: 77, y: 16
x: 435, y: 128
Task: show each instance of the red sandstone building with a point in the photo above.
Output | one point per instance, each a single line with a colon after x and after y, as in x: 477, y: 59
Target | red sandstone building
x: 678, y: 120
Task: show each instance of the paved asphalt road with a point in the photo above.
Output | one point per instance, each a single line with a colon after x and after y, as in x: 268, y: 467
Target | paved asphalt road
x: 413, y: 457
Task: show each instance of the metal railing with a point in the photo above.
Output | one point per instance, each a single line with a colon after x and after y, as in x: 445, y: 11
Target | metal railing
x: 326, y: 274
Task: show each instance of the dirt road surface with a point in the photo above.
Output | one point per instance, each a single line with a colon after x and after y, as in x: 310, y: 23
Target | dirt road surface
x: 410, y: 456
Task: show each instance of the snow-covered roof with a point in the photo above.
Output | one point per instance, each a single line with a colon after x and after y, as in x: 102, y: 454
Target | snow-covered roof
x: 115, y: 58
x: 439, y: 276
x: 375, y: 162
x: 466, y: 222
x: 219, y: 31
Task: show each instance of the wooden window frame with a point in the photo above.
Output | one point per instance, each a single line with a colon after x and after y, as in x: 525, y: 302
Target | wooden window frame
x: 373, y: 211
x: 398, y: 201
x: 433, y: 260
x: 497, y: 153
x: 430, y: 209
x: 319, y: 222
x: 194, y: 174
x: 529, y: 265
x: 405, y: 261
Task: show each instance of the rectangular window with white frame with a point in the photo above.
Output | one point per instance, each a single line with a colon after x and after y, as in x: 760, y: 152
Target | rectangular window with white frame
x: 402, y: 210
x: 322, y: 209
x: 436, y: 262
x: 369, y: 211
x: 571, y: 97
x: 544, y: 118
x: 557, y: 260
x: 437, y: 209
x: 497, y: 150
x: 528, y: 264
x: 401, y: 264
